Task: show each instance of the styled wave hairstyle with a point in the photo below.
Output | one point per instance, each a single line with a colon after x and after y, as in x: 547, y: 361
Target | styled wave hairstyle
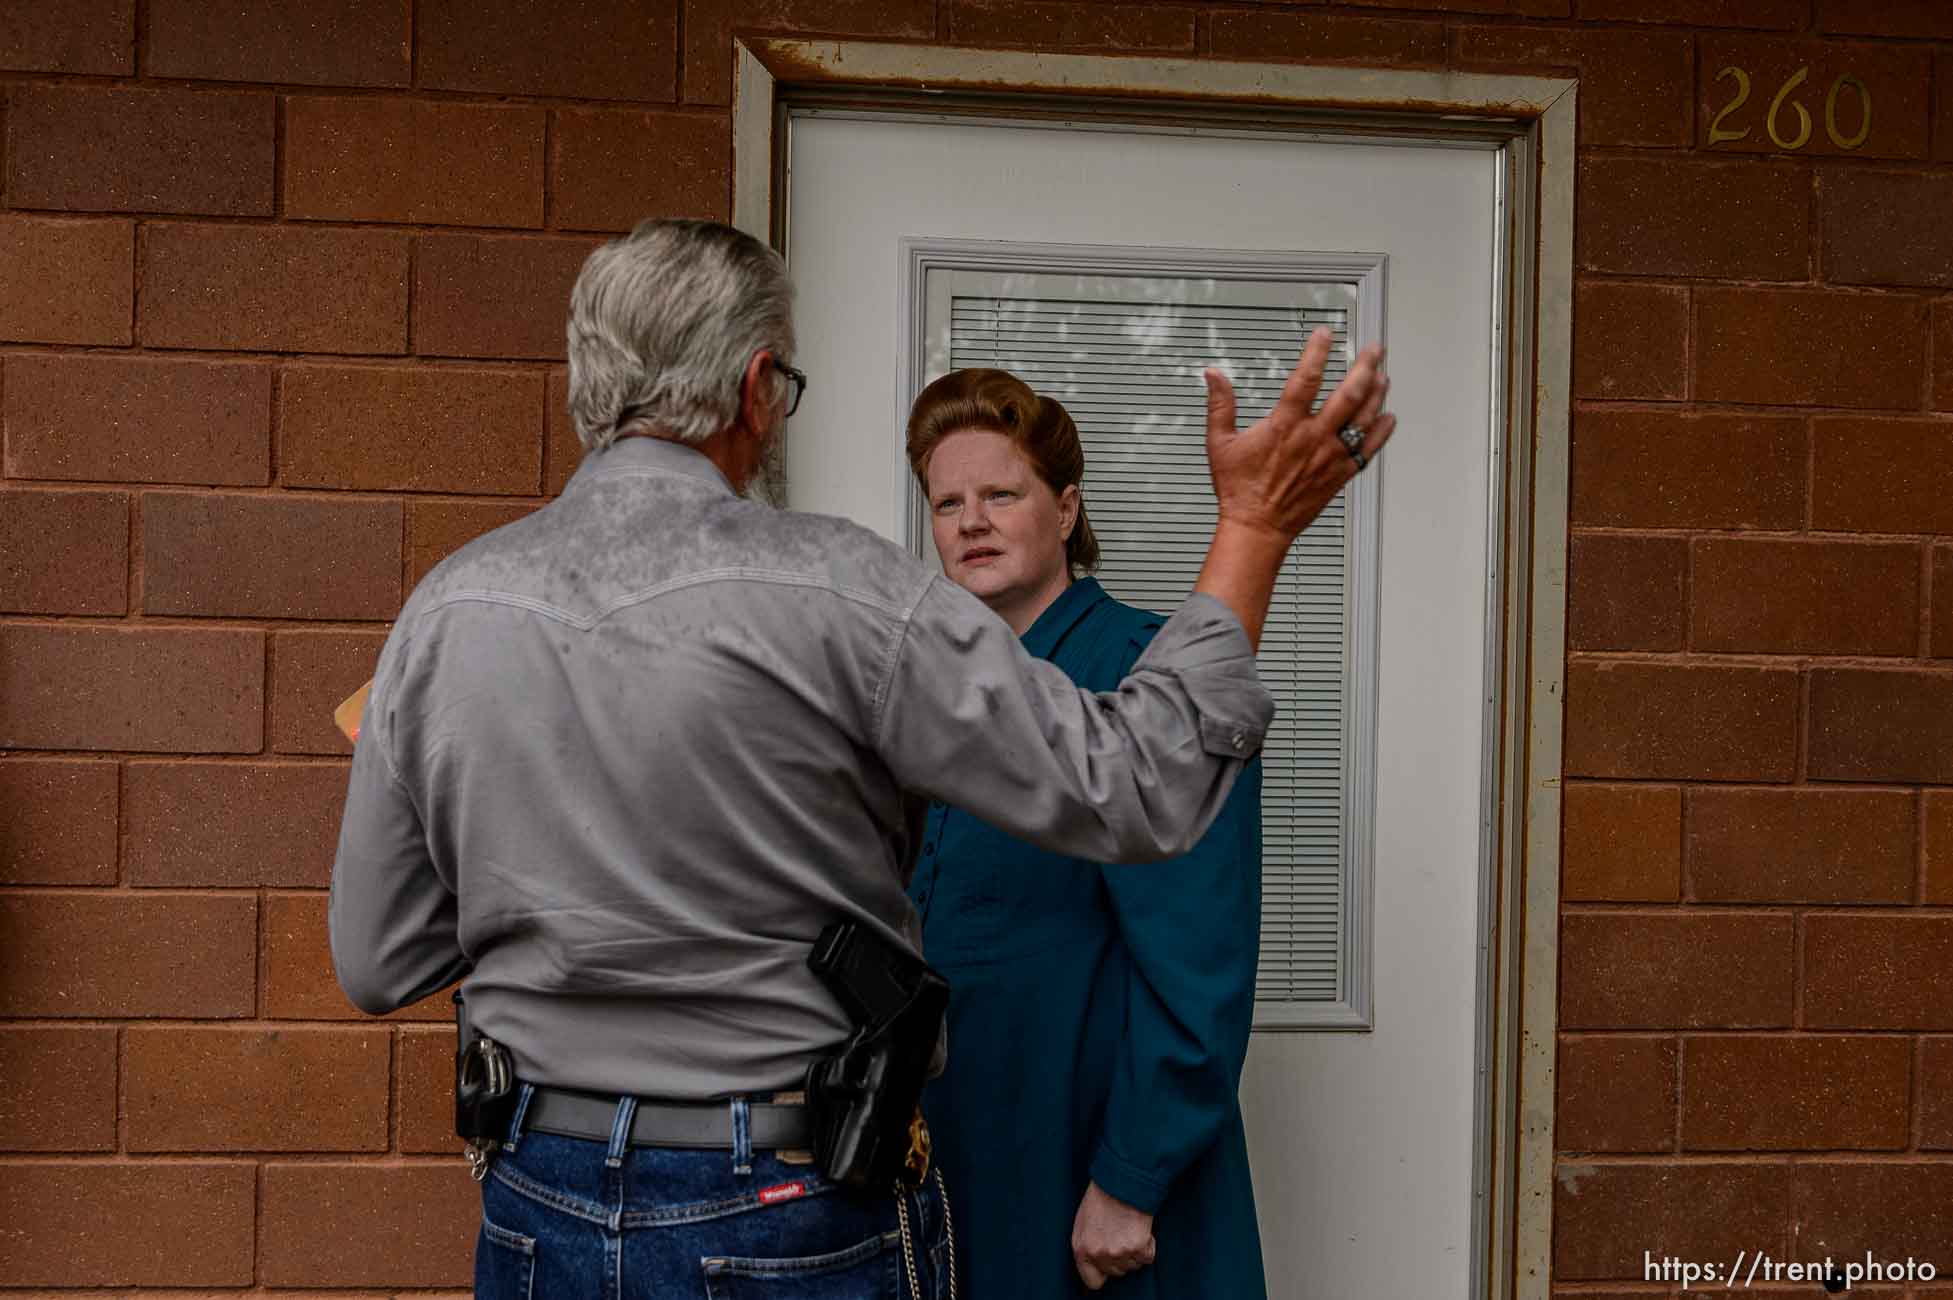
x: 999, y: 402
x: 662, y: 324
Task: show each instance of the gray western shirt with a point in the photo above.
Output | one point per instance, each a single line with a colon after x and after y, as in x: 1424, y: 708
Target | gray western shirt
x: 625, y: 758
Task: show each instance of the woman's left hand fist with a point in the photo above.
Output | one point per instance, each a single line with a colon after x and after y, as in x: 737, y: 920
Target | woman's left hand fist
x: 1109, y: 1238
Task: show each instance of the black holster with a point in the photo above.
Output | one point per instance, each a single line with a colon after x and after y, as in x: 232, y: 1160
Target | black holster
x: 864, y: 1098
x: 484, y: 1082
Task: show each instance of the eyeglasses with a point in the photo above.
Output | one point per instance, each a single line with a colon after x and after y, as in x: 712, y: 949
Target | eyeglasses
x: 798, y: 378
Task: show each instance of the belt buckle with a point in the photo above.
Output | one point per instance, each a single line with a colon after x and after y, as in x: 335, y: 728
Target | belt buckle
x: 915, y: 1165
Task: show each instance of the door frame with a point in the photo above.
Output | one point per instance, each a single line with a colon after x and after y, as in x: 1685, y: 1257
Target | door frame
x: 1533, y: 118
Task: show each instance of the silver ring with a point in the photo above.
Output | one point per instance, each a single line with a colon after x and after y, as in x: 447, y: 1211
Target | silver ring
x: 1352, y: 440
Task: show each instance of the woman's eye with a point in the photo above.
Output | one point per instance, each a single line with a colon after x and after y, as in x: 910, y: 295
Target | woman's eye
x: 944, y: 507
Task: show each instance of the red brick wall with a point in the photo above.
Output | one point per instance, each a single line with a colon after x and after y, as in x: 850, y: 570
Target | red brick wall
x: 281, y: 298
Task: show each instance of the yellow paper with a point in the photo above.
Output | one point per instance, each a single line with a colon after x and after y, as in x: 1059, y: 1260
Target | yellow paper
x: 347, y: 716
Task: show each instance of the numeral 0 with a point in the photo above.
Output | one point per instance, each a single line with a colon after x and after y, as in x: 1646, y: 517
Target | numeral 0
x: 1719, y: 133
x: 1831, y: 112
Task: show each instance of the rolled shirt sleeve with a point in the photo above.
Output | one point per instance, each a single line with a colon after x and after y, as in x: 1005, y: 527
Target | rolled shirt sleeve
x: 1133, y: 775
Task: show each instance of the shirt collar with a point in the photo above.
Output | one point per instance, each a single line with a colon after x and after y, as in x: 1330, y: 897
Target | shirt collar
x: 1061, y: 616
x: 640, y: 456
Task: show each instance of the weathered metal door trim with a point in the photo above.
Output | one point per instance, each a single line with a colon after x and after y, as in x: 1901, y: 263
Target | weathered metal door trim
x: 1531, y: 120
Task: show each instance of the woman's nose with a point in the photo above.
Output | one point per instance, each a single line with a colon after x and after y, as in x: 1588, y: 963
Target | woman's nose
x: 975, y: 519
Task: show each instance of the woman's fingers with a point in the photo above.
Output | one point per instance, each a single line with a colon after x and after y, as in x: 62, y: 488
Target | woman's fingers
x: 1377, y: 434
x: 1305, y: 381
x: 1220, y: 407
x: 1373, y: 408
x: 1355, y: 390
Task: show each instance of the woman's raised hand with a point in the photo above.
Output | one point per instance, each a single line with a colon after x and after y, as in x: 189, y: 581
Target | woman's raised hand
x: 1277, y: 474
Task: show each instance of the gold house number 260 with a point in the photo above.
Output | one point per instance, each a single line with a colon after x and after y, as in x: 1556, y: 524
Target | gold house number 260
x: 1773, y: 124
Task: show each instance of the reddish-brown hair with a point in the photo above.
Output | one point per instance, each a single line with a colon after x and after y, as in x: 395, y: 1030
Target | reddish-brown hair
x: 997, y: 401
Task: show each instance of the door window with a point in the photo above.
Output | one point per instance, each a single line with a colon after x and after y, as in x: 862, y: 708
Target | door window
x: 1124, y: 352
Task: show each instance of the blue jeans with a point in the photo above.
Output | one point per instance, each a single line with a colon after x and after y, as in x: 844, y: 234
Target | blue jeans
x: 574, y: 1219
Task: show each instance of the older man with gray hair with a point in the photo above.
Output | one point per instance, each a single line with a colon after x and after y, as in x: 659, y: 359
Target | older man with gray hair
x: 624, y: 760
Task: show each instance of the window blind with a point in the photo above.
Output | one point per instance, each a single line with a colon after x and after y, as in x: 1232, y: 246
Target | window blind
x: 1129, y: 372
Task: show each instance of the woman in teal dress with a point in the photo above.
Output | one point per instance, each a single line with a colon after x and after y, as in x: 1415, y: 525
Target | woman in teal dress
x: 1099, y: 1015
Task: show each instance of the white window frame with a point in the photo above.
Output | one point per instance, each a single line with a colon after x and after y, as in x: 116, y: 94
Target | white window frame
x: 929, y: 266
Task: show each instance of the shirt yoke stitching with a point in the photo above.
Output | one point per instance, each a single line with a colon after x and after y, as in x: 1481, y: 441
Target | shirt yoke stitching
x: 584, y: 623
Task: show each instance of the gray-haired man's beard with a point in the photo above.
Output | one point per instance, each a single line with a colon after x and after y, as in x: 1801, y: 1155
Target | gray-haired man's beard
x: 770, y: 484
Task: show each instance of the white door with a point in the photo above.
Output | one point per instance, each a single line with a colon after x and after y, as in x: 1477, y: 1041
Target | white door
x: 1361, y: 1136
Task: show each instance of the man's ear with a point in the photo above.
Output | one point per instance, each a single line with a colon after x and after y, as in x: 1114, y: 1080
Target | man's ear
x: 754, y: 387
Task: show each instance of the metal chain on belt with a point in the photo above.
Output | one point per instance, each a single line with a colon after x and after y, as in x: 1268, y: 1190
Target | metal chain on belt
x: 908, y: 1239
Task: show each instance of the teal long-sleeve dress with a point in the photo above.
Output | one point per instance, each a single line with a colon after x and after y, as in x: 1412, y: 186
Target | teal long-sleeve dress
x: 1098, y: 1022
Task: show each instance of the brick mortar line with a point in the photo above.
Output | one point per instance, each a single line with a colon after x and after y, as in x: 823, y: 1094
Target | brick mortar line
x: 274, y: 428
x: 132, y: 580
x: 241, y: 1024
x: 1797, y: 910
x: 1681, y: 1084
x: 241, y: 1159
x: 295, y: 89
x: 1687, y: 532
x: 133, y: 488
x: 406, y: 556
x: 1806, y: 721
x: 121, y: 825
x: 274, y: 492
x: 366, y: 225
x: 1786, y: 660
x: 138, y: 263
x: 1641, y: 1035
x: 1919, y: 846
x: 166, y: 892
x: 282, y: 360
x: 257, y: 1223
x: 1751, y: 786
x: 394, y: 1116
x: 1915, y: 1096
x: 348, y: 360
x: 175, y: 621
x: 268, y: 691
x: 1798, y: 934
x: 1684, y: 859
x: 1926, y: 600
x: 550, y: 147
x: 678, y: 53
x: 279, y: 159
x: 413, y: 282
x: 286, y: 758
x: 120, y: 1086
x: 1778, y: 410
x: 1790, y: 1156
x: 1829, y: 288
x: 545, y: 457
x: 1810, y: 475
x: 139, y: 26
x: 192, y: 623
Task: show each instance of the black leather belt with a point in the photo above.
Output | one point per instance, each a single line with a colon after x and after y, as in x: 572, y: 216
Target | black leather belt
x: 704, y: 1125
